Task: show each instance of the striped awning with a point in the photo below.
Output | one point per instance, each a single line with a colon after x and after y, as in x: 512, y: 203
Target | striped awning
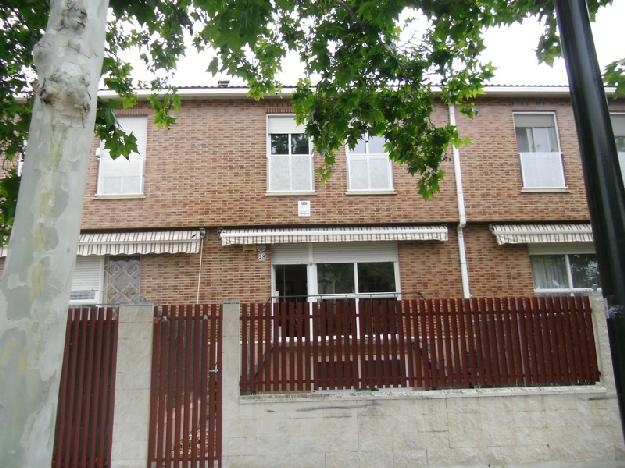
x: 136, y: 243
x: 540, y: 233
x: 338, y: 234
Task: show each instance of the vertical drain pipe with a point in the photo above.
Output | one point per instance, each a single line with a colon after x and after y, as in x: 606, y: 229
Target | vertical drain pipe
x: 199, y: 270
x: 462, y: 214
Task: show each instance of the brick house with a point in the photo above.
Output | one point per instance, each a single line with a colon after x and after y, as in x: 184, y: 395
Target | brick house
x: 226, y: 203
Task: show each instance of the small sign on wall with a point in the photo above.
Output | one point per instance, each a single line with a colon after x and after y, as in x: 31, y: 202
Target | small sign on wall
x: 262, y: 252
x: 303, y: 208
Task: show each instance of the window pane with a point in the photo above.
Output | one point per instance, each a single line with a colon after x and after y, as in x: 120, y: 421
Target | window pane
x: 359, y: 148
x: 584, y: 270
x: 376, y: 277
x: 279, y: 173
x: 618, y: 124
x: 358, y: 179
x: 523, y: 139
x: 549, y: 271
x: 542, y: 170
x: 299, y: 143
x: 544, y: 140
x: 301, y: 172
x: 376, y: 144
x: 279, y: 143
x: 335, y: 278
x: 380, y: 172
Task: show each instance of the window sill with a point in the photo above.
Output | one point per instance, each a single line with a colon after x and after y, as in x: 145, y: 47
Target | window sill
x: 288, y: 194
x: 370, y: 192
x: 545, y: 190
x: 120, y: 196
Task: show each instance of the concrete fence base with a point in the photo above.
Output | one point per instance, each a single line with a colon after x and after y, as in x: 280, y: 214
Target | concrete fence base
x: 536, y: 426
x: 530, y: 426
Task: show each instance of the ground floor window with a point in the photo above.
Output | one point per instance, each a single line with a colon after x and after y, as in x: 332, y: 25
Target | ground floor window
x: 87, y: 281
x: 571, y: 272
x: 335, y: 271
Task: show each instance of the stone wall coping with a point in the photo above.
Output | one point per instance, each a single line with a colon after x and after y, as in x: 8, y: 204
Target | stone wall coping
x: 590, y: 391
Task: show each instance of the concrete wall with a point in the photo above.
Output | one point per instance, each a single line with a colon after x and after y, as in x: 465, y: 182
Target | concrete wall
x: 548, y: 426
x: 132, y: 387
x: 537, y: 426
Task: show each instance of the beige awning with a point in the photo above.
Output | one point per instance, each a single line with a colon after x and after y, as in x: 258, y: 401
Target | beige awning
x: 136, y: 243
x: 338, y: 234
x: 541, y: 233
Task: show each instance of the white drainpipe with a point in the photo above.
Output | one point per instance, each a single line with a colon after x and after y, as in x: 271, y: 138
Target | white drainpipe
x: 462, y: 213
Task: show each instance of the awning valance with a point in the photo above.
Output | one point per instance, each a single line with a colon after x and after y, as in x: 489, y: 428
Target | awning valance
x: 540, y: 233
x: 136, y: 243
x: 336, y: 234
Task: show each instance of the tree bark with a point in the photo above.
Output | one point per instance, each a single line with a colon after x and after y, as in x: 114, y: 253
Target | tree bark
x: 35, y: 288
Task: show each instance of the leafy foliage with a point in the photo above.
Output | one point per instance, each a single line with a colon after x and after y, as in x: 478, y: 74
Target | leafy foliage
x: 362, y: 74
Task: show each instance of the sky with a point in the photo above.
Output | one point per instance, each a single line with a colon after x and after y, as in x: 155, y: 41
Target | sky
x: 510, y: 49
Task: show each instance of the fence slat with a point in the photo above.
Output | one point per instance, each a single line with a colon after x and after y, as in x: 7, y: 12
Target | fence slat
x: 579, y: 334
x: 501, y: 361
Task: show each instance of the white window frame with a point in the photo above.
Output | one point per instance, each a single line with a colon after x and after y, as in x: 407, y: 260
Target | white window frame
x: 99, y: 292
x: 311, y: 161
x: 306, y: 256
x: 367, y: 156
x: 562, y: 184
x: 621, y: 155
x: 102, y: 153
x: 536, y: 250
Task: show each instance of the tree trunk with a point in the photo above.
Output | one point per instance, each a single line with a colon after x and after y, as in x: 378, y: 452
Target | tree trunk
x: 35, y: 288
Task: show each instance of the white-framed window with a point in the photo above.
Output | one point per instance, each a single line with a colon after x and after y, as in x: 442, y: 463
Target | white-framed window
x: 289, y: 156
x: 87, y: 280
x: 123, y: 176
x: 539, y: 150
x: 618, y: 127
x: 564, y: 270
x: 368, y: 165
x: 341, y: 271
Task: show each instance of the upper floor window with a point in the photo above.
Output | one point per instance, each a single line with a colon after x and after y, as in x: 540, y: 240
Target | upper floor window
x: 123, y: 176
x: 618, y: 126
x: 368, y: 165
x: 539, y: 150
x: 564, y: 273
x: 289, y: 156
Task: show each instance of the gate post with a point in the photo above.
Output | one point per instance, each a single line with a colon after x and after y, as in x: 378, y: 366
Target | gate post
x: 599, y: 309
x: 230, y: 376
x: 132, y: 386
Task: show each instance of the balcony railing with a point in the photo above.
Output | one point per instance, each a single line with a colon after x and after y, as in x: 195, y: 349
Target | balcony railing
x: 542, y: 170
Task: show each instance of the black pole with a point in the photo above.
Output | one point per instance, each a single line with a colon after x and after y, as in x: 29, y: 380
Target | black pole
x: 604, y: 185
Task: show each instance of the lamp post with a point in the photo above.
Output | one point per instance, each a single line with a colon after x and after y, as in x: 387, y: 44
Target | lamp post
x: 602, y: 174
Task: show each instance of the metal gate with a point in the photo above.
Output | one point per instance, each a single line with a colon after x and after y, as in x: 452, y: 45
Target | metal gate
x: 84, y: 423
x: 185, y: 402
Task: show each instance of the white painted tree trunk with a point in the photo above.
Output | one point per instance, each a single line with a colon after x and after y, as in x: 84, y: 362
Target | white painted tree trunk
x: 37, y: 278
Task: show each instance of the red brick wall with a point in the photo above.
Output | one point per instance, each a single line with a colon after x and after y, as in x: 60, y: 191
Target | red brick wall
x: 491, y: 169
x: 209, y: 169
x: 496, y: 270
x: 430, y: 268
x: 227, y: 273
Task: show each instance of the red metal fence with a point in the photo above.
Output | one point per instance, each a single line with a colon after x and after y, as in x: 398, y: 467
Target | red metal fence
x: 185, y: 403
x: 446, y: 343
x: 84, y: 422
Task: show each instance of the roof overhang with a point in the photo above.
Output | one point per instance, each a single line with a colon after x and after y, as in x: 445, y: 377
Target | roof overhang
x: 136, y: 243
x: 334, y: 234
x: 541, y: 233
x: 207, y: 92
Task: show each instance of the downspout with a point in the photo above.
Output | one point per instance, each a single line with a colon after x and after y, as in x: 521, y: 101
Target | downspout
x: 199, y: 270
x: 462, y: 214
